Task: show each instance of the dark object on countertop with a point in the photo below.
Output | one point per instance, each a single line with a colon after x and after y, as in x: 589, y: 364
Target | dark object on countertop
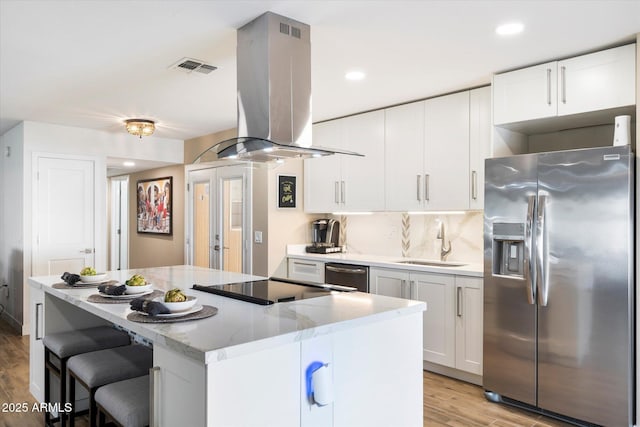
x: 150, y: 307
x: 112, y: 289
x: 70, y: 278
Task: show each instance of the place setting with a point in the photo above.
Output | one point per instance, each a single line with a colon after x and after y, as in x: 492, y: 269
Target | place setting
x: 87, y: 278
x: 116, y: 293
x: 173, y: 306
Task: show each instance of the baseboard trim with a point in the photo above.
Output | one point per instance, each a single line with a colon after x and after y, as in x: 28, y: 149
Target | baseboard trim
x: 453, y: 373
x: 13, y: 323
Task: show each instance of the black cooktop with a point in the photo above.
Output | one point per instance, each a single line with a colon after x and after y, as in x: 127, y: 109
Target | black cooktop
x: 270, y: 291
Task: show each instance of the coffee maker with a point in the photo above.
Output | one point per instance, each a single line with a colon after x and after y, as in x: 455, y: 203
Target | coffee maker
x: 325, y: 234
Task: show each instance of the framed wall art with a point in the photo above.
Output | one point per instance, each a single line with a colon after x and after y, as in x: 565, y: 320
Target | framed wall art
x: 286, y: 191
x: 154, y: 208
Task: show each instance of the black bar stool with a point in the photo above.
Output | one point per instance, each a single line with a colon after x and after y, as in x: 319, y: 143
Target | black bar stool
x: 59, y: 347
x: 99, y: 368
x: 126, y: 403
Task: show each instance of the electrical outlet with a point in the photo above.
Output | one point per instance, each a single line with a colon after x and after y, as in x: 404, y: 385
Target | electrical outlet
x: 257, y: 236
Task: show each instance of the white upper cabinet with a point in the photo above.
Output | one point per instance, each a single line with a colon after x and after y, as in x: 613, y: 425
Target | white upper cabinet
x: 435, y: 152
x: 404, y: 152
x: 322, y: 175
x: 598, y: 81
x: 446, y: 185
x: 525, y: 94
x: 479, y: 143
x: 347, y: 183
x: 362, y: 186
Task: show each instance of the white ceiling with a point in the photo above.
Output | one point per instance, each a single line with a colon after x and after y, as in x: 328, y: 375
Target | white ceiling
x: 92, y: 64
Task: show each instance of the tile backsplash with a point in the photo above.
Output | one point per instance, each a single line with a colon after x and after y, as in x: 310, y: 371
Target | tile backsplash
x: 414, y: 236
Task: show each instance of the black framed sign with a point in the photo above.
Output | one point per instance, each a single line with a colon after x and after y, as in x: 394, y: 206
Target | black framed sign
x: 286, y: 191
x: 154, y: 214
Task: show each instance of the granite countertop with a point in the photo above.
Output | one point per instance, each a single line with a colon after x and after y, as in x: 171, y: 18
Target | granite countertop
x: 468, y: 269
x: 239, y: 327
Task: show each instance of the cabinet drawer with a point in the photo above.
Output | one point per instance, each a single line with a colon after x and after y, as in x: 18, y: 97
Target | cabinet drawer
x: 310, y: 271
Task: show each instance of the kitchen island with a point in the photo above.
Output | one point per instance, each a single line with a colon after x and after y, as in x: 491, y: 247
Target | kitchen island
x: 246, y: 365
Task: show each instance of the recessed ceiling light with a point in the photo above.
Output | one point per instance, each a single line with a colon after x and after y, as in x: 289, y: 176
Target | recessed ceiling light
x: 510, y: 28
x: 128, y: 164
x: 355, y: 75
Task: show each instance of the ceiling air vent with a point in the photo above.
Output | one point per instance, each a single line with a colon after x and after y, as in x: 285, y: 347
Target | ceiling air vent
x: 188, y: 65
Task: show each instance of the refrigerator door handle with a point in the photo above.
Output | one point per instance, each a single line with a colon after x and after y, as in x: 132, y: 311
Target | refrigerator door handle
x: 529, y: 269
x: 541, y: 256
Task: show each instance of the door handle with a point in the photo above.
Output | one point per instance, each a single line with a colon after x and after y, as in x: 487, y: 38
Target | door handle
x: 426, y: 187
x: 459, y: 301
x: 343, y: 192
x: 563, y: 82
x: 548, y: 86
x: 541, y: 254
x: 474, y: 185
x: 336, y: 192
x: 418, y: 192
x: 529, y: 270
x: 38, y: 319
x: 86, y: 251
x: 346, y: 270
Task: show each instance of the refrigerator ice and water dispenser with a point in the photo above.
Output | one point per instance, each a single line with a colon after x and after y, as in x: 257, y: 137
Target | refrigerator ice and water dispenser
x: 508, y: 249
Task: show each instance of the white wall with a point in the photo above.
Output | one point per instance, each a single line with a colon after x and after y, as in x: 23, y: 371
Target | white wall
x: 32, y: 139
x: 12, y: 224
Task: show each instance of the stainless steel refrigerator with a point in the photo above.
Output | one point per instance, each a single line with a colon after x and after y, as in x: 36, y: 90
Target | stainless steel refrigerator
x: 558, y: 283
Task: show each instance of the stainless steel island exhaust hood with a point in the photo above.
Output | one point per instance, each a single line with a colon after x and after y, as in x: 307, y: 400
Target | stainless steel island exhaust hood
x: 274, y: 94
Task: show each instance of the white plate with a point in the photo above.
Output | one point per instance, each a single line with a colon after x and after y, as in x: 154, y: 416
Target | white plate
x: 126, y: 296
x: 192, y: 310
x: 99, y: 277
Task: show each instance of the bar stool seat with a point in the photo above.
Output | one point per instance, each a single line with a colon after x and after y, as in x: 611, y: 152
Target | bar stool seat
x: 125, y: 402
x: 64, y: 345
x: 99, y: 368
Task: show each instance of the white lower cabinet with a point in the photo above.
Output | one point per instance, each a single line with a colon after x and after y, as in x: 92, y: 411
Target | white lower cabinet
x: 36, y: 348
x: 452, y: 323
x: 305, y: 270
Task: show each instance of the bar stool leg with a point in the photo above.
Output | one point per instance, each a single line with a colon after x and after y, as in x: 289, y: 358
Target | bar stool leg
x: 72, y: 398
x: 63, y: 392
x: 47, y: 386
x: 92, y: 408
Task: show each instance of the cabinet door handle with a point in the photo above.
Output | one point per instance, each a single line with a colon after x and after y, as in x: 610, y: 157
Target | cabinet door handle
x: 426, y: 187
x: 343, y: 192
x: 548, y: 86
x: 459, y: 301
x: 563, y: 82
x: 154, y: 397
x: 336, y: 192
x: 38, y: 319
x: 305, y: 263
x: 474, y: 185
x: 418, y: 189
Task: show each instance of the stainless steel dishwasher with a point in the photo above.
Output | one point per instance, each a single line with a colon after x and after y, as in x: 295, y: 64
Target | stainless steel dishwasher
x: 356, y: 276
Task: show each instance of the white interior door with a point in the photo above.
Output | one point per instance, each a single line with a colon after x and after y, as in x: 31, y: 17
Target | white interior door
x: 64, y: 207
x: 219, y: 212
x: 119, y: 235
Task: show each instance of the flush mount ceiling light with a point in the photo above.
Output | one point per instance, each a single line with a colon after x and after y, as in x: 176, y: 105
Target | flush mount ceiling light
x: 509, y: 28
x: 355, y: 75
x: 140, y: 127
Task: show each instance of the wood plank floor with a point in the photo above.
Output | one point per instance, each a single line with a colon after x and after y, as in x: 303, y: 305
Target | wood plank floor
x: 447, y: 402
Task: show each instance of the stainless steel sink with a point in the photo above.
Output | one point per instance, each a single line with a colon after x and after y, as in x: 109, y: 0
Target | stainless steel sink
x: 432, y: 263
